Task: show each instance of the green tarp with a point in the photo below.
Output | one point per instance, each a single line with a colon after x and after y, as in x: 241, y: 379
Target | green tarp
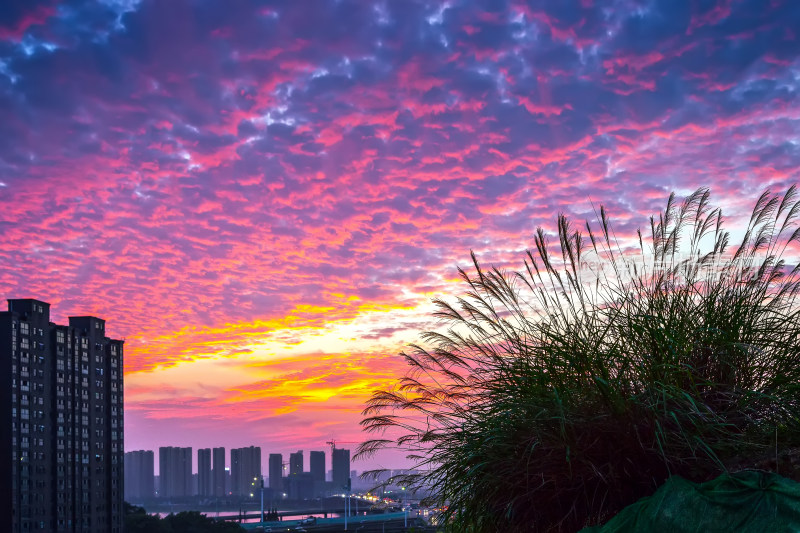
x: 747, y: 502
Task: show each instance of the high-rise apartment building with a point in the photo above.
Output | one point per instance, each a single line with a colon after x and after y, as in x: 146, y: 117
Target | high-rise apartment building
x: 219, y: 474
x: 61, y: 444
x: 340, y: 463
x: 139, y: 475
x: 174, y: 472
x: 246, y: 471
x: 316, y: 466
x: 204, y: 479
x: 296, y: 463
x: 276, y: 473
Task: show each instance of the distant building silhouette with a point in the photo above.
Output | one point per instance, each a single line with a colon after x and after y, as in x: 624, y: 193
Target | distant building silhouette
x: 139, y: 475
x: 175, y: 472
x: 340, y: 463
x: 246, y: 471
x: 317, y: 466
x: 276, y: 474
x: 61, y: 420
x: 205, y: 482
x: 301, y: 486
x: 219, y: 474
x: 296, y: 463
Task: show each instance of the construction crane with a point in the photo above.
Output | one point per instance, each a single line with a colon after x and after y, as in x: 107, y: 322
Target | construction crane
x: 333, y: 443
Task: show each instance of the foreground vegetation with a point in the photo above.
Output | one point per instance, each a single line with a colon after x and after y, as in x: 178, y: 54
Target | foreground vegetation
x: 138, y: 521
x: 559, y: 394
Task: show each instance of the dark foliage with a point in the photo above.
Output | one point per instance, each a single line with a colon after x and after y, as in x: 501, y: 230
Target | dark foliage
x: 138, y: 521
x: 559, y: 394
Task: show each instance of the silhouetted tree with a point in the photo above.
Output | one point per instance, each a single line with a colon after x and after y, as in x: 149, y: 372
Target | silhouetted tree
x: 138, y: 521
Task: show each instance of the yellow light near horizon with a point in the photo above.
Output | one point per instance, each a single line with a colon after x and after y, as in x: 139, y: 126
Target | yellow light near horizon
x: 298, y: 331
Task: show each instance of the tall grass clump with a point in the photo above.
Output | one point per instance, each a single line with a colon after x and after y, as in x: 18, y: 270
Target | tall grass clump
x: 559, y: 394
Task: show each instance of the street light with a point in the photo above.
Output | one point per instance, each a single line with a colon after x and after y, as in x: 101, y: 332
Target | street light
x: 405, y: 511
x: 347, y: 503
x: 262, y: 502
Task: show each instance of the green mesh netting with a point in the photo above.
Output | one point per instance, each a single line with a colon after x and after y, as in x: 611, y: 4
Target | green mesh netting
x: 747, y: 502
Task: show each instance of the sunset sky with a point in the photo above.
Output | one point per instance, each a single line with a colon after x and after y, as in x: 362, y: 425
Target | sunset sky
x: 262, y: 198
